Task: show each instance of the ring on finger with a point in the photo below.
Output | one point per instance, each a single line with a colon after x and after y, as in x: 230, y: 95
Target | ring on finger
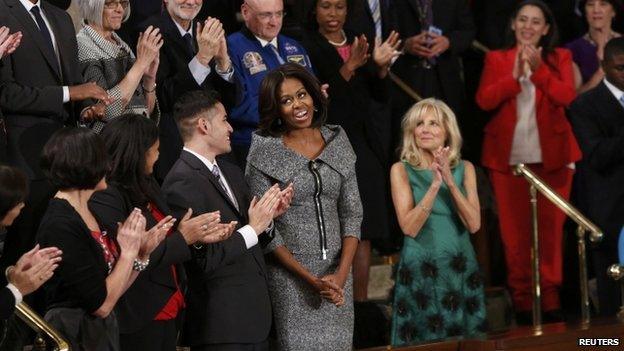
x: 204, y: 227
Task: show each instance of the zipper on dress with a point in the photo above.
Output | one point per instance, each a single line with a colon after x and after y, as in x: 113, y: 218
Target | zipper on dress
x: 318, y: 188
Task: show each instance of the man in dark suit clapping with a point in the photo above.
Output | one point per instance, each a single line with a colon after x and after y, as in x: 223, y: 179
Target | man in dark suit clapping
x: 597, y: 118
x: 228, y: 300
x: 193, y: 56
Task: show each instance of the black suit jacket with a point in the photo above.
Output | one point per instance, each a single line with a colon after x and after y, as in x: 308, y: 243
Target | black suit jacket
x: 360, y: 19
x: 7, y: 299
x: 453, y: 17
x: 153, y: 287
x: 173, y: 80
x: 598, y: 122
x: 31, y: 82
x: 227, y: 298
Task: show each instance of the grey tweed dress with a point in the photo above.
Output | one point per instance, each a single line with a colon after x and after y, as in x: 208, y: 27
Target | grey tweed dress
x: 325, y: 208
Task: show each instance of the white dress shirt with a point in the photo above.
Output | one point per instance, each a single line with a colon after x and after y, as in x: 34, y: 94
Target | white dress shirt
x: 249, y: 234
x: 199, y: 71
x: 617, y: 93
x: 525, y: 147
x: 28, y: 6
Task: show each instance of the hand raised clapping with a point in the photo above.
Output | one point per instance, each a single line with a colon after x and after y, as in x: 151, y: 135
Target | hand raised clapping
x: 34, y: 268
x: 130, y: 234
x: 153, y: 237
x: 384, y: 53
x: 148, y: 50
x: 8, y: 42
x: 359, y: 53
x: 205, y: 228
x: 210, y: 40
x: 441, y: 165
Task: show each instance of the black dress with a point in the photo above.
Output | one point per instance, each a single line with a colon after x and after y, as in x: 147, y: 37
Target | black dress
x: 350, y: 107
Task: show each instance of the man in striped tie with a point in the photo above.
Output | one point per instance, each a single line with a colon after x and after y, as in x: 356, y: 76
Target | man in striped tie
x: 597, y: 118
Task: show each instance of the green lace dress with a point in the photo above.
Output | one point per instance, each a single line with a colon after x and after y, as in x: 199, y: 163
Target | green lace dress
x: 438, y: 291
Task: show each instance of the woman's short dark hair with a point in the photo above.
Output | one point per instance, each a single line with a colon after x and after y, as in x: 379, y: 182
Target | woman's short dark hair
x: 74, y: 158
x: 549, y: 41
x: 127, y: 139
x: 13, y: 188
x: 269, y: 98
x: 616, y: 4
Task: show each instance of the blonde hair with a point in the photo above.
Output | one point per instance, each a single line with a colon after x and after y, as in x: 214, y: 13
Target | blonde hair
x: 410, y: 151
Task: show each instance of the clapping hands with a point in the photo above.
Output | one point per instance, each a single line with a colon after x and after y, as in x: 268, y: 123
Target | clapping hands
x: 34, y: 268
x: 441, y: 166
x: 384, y: 53
x: 8, y: 42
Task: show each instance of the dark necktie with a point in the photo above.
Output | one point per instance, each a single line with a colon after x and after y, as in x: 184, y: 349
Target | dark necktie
x: 189, y: 42
x: 217, y: 173
x: 43, y: 29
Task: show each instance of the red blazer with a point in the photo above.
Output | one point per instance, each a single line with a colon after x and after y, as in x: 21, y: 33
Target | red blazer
x: 554, y: 91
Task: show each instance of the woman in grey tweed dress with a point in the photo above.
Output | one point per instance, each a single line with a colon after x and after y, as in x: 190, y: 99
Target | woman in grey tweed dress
x: 109, y: 62
x: 315, y: 240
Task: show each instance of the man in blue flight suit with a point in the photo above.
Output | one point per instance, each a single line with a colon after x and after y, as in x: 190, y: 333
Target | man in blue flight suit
x: 255, y: 50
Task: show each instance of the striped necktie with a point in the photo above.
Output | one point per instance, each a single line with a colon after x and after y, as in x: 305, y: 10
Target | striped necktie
x: 277, y: 54
x: 376, y: 13
x: 217, y: 173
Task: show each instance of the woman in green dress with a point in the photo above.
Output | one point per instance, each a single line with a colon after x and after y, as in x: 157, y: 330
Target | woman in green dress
x: 438, y: 291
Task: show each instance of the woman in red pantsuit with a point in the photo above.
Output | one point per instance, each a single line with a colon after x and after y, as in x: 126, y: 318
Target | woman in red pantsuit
x: 528, y: 85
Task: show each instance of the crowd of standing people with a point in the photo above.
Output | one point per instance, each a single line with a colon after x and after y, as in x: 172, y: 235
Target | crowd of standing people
x: 215, y: 175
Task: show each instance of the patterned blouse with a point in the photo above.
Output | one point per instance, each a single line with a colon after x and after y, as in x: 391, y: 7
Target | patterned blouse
x: 106, y: 64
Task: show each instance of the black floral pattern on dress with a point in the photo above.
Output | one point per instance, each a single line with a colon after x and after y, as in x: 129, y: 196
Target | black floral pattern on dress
x: 408, y: 332
x: 458, y: 262
x: 472, y: 305
x: 422, y: 299
x: 401, y: 308
x: 429, y: 269
x: 475, y: 280
x: 405, y: 276
x: 451, y: 301
x: 435, y: 323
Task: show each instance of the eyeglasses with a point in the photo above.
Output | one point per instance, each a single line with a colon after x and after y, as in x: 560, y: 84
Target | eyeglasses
x: 265, y: 16
x: 112, y: 5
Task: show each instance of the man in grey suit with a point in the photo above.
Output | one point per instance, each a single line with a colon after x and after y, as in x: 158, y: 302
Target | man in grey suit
x: 228, y: 305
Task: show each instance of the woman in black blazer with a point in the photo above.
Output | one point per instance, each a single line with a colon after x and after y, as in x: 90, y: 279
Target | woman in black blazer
x: 148, y: 310
x: 343, y: 61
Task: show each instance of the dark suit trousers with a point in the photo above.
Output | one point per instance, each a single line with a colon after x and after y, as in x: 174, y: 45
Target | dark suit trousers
x: 608, y: 289
x: 261, y: 346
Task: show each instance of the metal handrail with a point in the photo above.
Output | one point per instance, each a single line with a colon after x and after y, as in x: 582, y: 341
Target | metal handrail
x: 584, y: 225
x: 557, y: 200
x: 30, y: 317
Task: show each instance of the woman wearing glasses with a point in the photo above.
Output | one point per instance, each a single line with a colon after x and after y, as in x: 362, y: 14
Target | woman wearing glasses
x: 108, y: 61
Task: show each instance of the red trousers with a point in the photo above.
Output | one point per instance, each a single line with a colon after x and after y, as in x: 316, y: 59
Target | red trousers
x: 514, y: 211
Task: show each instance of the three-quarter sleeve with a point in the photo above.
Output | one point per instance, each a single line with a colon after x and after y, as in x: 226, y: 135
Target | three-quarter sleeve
x: 350, y: 206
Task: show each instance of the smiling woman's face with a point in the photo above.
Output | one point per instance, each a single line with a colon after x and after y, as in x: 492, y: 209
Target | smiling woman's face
x: 529, y: 25
x: 296, y: 104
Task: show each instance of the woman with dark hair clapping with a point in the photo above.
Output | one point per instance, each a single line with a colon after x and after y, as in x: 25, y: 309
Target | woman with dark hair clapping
x: 528, y: 86
x: 147, y: 312
x: 97, y: 268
